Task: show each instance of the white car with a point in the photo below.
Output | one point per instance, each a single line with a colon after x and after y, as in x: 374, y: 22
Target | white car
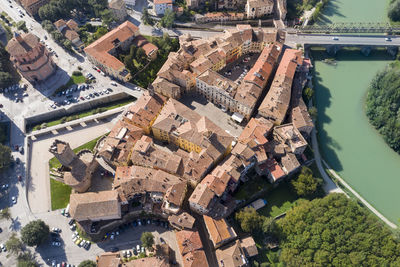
x: 56, y: 230
x: 335, y: 38
x: 2, y: 247
x: 56, y: 244
x: 114, y: 83
x: 14, y: 200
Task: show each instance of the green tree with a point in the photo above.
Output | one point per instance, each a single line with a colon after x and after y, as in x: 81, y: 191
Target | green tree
x: 147, y: 239
x: 26, y: 260
x: 21, y: 25
x: 335, y: 231
x: 308, y: 92
x: 100, y: 32
x: 168, y: 19
x: 107, y: 17
x: 14, y: 244
x: 5, y: 214
x: 87, y: 263
x: 5, y: 79
x: 313, y: 112
x: 249, y: 220
x: 394, y: 10
x: 35, y: 233
x: 67, y: 44
x: 269, y: 226
x: 305, y: 184
x: 5, y: 156
x: 146, y: 18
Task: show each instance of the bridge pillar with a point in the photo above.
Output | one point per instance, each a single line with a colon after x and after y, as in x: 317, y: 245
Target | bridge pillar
x: 392, y: 50
x: 366, y: 50
x: 332, y: 49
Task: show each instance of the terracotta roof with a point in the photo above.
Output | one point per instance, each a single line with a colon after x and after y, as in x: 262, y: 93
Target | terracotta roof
x: 260, y: 3
x: 59, y: 23
x: 159, y: 2
x: 216, y: 184
x: 195, y: 259
x: 176, y: 193
x: 27, y: 43
x: 72, y: 25
x: 109, y: 259
x: 188, y: 241
x: 183, y: 220
x: 116, y: 4
x: 100, y: 48
x: 290, y: 162
x: 256, y: 130
x: 275, y: 170
x: 231, y: 255
x: 249, y: 246
x: 142, y: 42
x: 301, y: 118
x: 291, y: 136
x: 95, y: 206
x: 71, y: 35
x: 202, y: 195
x: 218, y: 230
x: 147, y: 262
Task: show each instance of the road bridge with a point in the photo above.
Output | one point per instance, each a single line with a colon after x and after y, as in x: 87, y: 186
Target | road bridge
x: 350, y: 27
x: 334, y: 43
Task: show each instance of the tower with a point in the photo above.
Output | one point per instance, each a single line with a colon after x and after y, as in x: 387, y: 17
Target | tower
x: 63, y: 152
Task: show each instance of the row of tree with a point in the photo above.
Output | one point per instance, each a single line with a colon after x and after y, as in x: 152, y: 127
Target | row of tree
x: 6, y: 79
x: 394, y: 10
x: 383, y: 104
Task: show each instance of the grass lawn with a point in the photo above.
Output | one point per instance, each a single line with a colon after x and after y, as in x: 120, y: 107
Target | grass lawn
x: 54, y: 163
x: 251, y: 187
x: 59, y: 194
x: 75, y: 79
x: 280, y: 200
x: 84, y: 114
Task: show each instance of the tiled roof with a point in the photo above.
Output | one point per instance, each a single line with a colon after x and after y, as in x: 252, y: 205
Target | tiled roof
x: 147, y: 262
x: 188, y: 241
x: 95, y: 206
x: 100, y: 48
x: 183, y: 220
x: 202, y: 195
x: 195, y: 259
x: 218, y: 230
x: 249, y: 246
x: 231, y: 255
x: 109, y: 259
x: 28, y: 43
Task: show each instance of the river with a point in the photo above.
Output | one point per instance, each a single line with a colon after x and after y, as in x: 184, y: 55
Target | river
x: 349, y: 144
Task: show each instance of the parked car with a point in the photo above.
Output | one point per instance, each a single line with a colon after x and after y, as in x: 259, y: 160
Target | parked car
x: 3, y: 248
x: 14, y: 200
x: 56, y: 230
x: 71, y: 222
x: 57, y: 244
x: 114, y: 83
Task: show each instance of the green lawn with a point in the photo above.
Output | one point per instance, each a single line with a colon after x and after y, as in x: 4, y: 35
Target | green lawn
x: 84, y: 114
x: 251, y: 187
x: 59, y: 194
x: 75, y: 79
x: 280, y: 200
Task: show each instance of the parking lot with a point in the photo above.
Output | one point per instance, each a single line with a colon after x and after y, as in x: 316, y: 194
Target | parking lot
x: 236, y: 70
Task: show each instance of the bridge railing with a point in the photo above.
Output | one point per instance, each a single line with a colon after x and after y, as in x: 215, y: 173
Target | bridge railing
x: 350, y: 27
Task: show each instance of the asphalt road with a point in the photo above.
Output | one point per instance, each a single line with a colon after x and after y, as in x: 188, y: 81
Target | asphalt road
x: 376, y: 40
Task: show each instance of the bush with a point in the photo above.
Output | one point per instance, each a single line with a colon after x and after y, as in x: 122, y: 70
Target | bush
x: 77, y: 73
x: 87, y: 263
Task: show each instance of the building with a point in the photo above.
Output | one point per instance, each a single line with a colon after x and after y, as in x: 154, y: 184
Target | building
x: 232, y: 255
x: 289, y: 135
x: 30, y: 57
x: 249, y: 246
x: 259, y: 8
x: 147, y: 262
x: 69, y: 30
x: 218, y: 17
x: 81, y: 166
x: 103, y: 51
x: 118, y: 9
x: 160, y: 6
x: 219, y: 231
x: 130, y: 3
x: 202, y: 199
x: 302, y: 120
x: 191, y: 248
x: 149, y: 48
x: 276, y: 103
x: 109, y: 259
x: 32, y: 6
x: 91, y: 206
x: 182, y: 221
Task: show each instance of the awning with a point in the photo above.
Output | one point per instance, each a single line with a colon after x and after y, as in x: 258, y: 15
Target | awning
x: 237, y: 117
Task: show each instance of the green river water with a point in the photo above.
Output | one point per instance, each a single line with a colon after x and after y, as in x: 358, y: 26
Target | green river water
x: 349, y: 144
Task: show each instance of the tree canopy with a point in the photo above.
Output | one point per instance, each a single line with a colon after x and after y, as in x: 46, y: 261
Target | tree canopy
x: 5, y: 156
x: 26, y: 260
x: 35, y: 233
x: 14, y: 244
x: 383, y: 104
x: 147, y: 239
x: 6, y: 79
x: 335, y: 231
x: 305, y: 184
x: 87, y: 263
x: 394, y: 10
x: 168, y: 19
x: 250, y: 220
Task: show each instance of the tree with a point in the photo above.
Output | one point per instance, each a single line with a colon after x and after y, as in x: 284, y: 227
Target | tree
x: 269, y: 226
x: 21, y: 25
x: 5, y: 79
x: 100, y: 32
x: 249, y: 220
x: 5, y: 214
x: 147, y: 239
x: 308, y: 92
x: 14, y: 244
x: 313, y: 112
x: 146, y: 18
x: 168, y: 19
x: 5, y: 156
x: 87, y: 263
x: 35, y: 233
x: 335, y: 231
x: 107, y: 17
x: 306, y: 185
x: 67, y: 44
x: 394, y: 10
x: 26, y: 260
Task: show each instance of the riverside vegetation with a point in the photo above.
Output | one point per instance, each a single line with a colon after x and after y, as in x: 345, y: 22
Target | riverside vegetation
x: 383, y: 104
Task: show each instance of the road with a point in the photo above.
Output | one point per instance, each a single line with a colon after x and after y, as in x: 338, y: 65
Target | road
x: 325, y: 39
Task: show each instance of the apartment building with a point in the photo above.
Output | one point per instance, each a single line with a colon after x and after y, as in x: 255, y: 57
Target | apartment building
x: 118, y: 9
x: 259, y: 8
x: 160, y: 6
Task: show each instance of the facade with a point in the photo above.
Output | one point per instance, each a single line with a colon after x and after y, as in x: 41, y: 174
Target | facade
x: 259, y: 8
x: 219, y: 17
x: 32, y: 6
x: 30, y: 57
x: 118, y: 9
x: 160, y: 6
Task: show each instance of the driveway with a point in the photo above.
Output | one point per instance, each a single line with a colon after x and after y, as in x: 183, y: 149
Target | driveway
x: 39, y: 184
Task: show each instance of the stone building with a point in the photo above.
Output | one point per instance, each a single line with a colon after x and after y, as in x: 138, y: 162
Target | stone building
x: 30, y: 57
x: 259, y: 8
x: 80, y: 167
x: 118, y: 9
x: 32, y: 6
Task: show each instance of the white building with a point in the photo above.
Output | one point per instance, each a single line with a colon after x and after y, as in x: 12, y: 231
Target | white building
x: 259, y: 8
x: 130, y: 3
x: 160, y: 6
